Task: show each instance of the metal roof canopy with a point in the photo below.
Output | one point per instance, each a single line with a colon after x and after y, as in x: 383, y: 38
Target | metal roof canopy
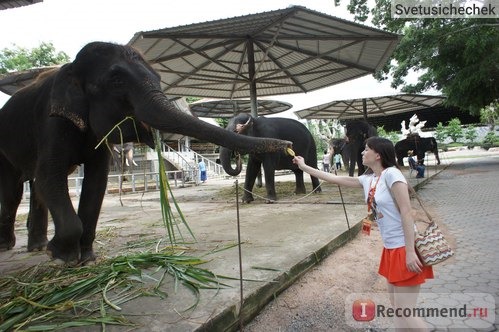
x: 225, y: 108
x: 8, y: 4
x: 11, y: 82
x: 363, y: 108
x: 292, y: 50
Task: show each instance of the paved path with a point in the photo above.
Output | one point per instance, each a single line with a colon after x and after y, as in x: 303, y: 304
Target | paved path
x: 466, y: 197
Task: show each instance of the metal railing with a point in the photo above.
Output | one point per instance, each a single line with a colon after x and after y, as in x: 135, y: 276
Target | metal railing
x: 185, y: 162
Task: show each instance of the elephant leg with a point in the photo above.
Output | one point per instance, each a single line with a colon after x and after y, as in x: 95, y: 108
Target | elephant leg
x: 269, y: 171
x: 259, y: 182
x: 251, y: 173
x: 436, y: 156
x: 11, y: 190
x: 37, y: 221
x: 52, y: 188
x: 92, y: 194
x: 300, y: 184
x: 316, y: 185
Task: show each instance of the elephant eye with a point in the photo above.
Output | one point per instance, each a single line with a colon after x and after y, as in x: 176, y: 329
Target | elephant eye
x: 115, y: 80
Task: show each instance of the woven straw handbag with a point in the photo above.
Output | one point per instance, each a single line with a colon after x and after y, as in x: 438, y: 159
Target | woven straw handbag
x: 431, y: 245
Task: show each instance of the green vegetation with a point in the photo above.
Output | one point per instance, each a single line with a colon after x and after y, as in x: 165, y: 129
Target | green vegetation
x: 19, y: 58
x: 463, y: 136
x: 455, y: 56
x: 393, y: 136
x: 47, y: 297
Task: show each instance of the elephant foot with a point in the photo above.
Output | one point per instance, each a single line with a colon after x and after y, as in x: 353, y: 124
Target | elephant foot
x: 269, y: 201
x: 87, y: 257
x: 7, y: 243
x: 63, y: 255
x: 247, y: 199
x: 37, y: 244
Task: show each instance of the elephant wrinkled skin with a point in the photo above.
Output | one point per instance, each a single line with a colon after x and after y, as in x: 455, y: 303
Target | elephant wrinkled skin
x: 279, y: 128
x: 49, y: 127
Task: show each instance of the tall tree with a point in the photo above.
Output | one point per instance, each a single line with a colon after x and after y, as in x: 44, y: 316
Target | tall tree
x: 20, y: 58
x: 456, y: 56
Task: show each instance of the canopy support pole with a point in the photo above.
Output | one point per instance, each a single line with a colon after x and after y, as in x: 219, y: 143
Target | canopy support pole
x: 252, y: 81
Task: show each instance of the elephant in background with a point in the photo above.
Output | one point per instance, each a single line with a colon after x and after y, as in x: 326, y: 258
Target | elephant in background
x: 357, y: 132
x: 56, y: 123
x: 340, y: 146
x: 123, y: 157
x: 279, y: 128
x: 419, y: 146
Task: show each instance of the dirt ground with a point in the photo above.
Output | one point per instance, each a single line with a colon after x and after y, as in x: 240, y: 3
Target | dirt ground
x: 350, y: 269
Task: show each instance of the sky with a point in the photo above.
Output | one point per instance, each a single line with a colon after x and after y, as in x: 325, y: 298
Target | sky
x: 71, y: 24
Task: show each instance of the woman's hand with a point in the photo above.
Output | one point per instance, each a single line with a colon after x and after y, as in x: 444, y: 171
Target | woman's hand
x: 299, y: 161
x: 412, y: 262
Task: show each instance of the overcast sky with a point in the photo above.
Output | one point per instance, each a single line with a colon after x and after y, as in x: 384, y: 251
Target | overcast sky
x: 70, y: 24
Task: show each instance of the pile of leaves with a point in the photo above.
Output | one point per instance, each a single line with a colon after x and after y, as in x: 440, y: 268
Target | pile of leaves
x: 47, y: 297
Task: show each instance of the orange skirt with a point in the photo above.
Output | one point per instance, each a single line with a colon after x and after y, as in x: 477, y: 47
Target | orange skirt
x: 393, y: 267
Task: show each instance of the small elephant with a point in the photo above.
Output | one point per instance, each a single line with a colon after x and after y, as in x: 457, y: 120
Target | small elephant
x: 419, y: 146
x: 122, y: 157
x: 56, y: 123
x: 357, y: 132
x: 280, y: 128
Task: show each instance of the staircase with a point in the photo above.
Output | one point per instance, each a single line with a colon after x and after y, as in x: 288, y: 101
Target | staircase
x: 187, y: 161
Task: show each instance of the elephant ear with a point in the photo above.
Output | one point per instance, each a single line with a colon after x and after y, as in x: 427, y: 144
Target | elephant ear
x: 68, y: 99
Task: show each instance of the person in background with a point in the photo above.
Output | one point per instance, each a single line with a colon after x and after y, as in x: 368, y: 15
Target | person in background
x: 326, y: 161
x: 388, y: 203
x: 418, y: 167
x: 202, y: 170
x: 337, y: 161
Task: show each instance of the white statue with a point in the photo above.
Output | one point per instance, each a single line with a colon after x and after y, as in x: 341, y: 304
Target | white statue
x: 415, y: 126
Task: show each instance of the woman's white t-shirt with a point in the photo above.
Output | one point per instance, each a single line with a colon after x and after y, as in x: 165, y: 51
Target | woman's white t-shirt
x: 386, y: 212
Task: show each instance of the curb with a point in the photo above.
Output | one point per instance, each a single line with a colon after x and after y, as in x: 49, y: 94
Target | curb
x: 231, y: 318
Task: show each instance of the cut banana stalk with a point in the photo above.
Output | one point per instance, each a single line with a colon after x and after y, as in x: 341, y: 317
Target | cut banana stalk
x: 290, y: 152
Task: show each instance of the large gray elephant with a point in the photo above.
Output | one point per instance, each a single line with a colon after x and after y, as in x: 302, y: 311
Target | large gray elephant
x: 280, y: 128
x: 419, y: 146
x: 49, y: 127
x: 357, y: 132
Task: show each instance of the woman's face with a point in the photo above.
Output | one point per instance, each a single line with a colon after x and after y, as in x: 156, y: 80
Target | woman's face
x: 369, y: 157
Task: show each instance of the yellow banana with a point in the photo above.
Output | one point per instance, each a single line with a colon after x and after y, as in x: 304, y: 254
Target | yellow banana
x: 290, y: 152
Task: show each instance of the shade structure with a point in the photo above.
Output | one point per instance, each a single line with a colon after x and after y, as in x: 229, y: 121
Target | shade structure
x: 285, y: 51
x: 225, y: 108
x: 11, y: 82
x: 8, y: 4
x: 363, y: 108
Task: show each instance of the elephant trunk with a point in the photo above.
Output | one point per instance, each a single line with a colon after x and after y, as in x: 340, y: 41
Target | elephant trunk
x: 158, y: 112
x: 226, y: 161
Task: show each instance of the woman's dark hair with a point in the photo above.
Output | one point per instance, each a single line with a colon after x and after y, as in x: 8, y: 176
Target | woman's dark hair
x: 385, y: 149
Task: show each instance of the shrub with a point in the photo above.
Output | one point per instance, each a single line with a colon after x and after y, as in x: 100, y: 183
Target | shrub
x: 490, y: 140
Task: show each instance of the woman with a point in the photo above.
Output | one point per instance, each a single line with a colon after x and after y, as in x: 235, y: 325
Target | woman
x: 387, y: 195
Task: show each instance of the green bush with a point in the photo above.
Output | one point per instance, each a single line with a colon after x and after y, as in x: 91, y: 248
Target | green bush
x: 490, y: 140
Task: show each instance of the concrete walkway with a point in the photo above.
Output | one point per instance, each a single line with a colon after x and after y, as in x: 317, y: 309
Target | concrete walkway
x: 466, y: 197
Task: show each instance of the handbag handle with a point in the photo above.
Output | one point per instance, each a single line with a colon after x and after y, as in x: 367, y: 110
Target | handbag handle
x: 415, y: 194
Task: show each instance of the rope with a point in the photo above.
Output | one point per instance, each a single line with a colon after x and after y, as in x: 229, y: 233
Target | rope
x: 282, y: 202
